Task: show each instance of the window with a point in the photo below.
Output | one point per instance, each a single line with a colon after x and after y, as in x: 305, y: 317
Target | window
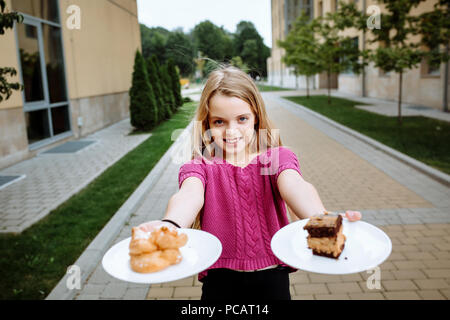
x: 43, y: 9
x: 431, y: 67
x: 355, y: 45
x: 40, y: 51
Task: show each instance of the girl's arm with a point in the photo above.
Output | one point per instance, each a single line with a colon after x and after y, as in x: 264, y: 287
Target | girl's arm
x: 183, y: 206
x: 300, y: 196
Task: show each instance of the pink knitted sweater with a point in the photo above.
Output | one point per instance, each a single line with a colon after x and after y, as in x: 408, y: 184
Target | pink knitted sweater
x: 243, y: 207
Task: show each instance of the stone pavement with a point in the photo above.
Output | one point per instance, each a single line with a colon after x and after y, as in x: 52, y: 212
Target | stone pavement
x: 51, y: 179
x: 412, y: 208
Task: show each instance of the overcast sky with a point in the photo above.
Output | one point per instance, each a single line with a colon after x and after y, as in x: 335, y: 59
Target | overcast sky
x: 171, y: 14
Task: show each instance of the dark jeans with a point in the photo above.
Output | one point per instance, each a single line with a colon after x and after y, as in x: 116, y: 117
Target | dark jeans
x: 226, y: 284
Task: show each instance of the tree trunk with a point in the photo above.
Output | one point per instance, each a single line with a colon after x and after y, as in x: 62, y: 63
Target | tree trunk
x: 329, y: 86
x: 307, y: 87
x: 400, y: 98
x: 446, y: 82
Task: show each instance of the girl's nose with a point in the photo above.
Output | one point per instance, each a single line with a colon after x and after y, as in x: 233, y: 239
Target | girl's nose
x: 231, y: 131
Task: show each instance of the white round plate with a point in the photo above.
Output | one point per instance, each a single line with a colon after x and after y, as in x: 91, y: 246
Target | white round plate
x: 366, y: 247
x: 200, y: 252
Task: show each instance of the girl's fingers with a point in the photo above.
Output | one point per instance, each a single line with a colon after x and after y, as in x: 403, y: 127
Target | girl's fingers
x: 150, y: 226
x: 353, y: 215
x: 154, y: 225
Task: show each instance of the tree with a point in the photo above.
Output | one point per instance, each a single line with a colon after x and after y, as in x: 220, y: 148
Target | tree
x: 434, y: 27
x: 154, y: 41
x: 154, y: 80
x: 210, y: 40
x: 398, y: 51
x: 335, y: 53
x: 249, y: 53
x: 175, y: 83
x: 143, y: 109
x: 249, y: 45
x: 7, y: 20
x: 181, y: 50
x: 166, y: 101
x: 168, y: 93
x: 237, y: 62
x: 301, y: 48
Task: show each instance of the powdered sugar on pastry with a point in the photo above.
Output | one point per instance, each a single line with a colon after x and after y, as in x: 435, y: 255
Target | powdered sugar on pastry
x: 155, y: 251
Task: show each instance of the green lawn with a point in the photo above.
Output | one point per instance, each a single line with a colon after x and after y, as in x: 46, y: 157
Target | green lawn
x: 263, y: 88
x: 33, y: 262
x: 425, y: 139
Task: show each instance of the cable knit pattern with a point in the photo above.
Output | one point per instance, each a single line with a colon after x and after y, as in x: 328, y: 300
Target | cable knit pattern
x: 240, y: 234
x: 243, y: 207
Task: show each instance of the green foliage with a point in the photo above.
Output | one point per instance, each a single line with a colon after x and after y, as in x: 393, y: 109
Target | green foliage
x: 335, y: 52
x: 181, y: 50
x: 7, y: 20
x: 165, y: 106
x: 301, y: 47
x: 167, y: 45
x: 168, y: 93
x: 434, y: 26
x: 397, y: 52
x: 210, y: 65
x: 249, y: 45
x: 207, y: 41
x: 6, y: 87
x: 154, y: 41
x: 237, y: 62
x: 175, y: 82
x: 143, y: 108
x: 155, y: 82
x: 211, y: 40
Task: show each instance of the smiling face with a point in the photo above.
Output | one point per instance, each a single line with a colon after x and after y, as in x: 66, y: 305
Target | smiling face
x: 231, y: 118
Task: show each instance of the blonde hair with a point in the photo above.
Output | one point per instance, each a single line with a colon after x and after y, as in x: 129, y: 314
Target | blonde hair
x: 232, y: 82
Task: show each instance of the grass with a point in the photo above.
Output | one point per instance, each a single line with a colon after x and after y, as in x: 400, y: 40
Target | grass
x: 33, y: 262
x: 422, y: 138
x: 264, y: 88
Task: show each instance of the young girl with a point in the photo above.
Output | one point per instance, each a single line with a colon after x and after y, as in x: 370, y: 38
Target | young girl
x: 236, y: 186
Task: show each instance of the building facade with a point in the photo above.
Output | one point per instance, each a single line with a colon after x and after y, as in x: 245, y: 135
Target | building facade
x: 75, y: 59
x: 421, y: 86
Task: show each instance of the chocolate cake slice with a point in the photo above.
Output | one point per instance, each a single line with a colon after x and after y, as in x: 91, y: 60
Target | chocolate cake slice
x: 325, y: 235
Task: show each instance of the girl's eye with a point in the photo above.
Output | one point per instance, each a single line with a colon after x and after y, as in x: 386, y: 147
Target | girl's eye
x: 244, y: 119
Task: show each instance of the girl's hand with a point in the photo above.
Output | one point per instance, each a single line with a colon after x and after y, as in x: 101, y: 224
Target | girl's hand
x: 154, y: 225
x: 353, y: 215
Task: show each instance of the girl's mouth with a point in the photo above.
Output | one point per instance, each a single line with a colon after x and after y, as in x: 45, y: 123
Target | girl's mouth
x: 232, y: 141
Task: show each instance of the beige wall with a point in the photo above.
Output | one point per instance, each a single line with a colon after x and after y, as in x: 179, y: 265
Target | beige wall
x: 8, y: 57
x: 100, y: 56
x: 275, y: 67
x: 99, y: 61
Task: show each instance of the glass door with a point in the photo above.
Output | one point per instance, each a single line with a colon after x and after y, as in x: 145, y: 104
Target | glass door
x: 41, y: 57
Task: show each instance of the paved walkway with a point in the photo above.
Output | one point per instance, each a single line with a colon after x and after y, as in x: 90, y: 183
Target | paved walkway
x: 51, y: 179
x: 413, y: 209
